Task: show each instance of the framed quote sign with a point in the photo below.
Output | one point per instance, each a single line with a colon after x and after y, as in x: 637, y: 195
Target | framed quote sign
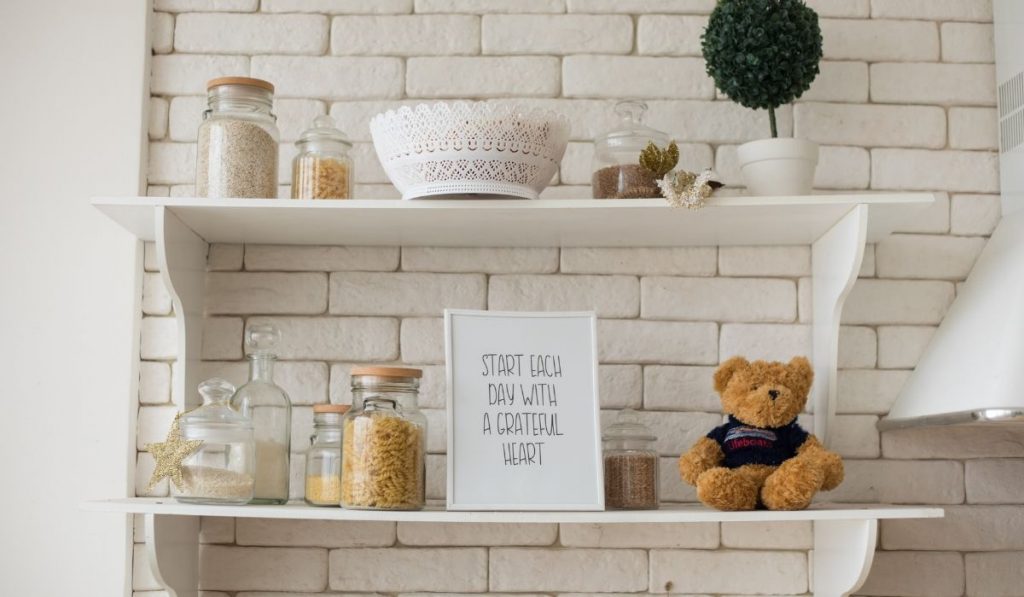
x: 523, y: 416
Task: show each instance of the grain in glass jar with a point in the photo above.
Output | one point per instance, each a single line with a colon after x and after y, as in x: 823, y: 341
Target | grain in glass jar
x: 617, y: 173
x: 323, y: 167
x: 323, y: 459
x: 630, y: 465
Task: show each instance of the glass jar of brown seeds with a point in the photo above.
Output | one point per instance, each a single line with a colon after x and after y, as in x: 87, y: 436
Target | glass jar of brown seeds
x: 323, y: 167
x: 617, y: 173
x: 630, y: 465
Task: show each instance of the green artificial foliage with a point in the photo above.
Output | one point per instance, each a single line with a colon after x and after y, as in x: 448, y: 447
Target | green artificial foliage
x: 762, y: 53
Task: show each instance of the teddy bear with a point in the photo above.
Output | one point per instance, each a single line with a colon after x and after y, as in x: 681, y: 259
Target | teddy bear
x: 761, y: 457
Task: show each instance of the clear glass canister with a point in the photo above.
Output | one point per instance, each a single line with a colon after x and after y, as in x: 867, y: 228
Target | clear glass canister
x: 236, y: 154
x: 617, y: 173
x: 323, y: 167
x: 270, y: 410
x: 221, y: 470
x: 630, y: 465
x: 384, y: 441
x: 323, y: 459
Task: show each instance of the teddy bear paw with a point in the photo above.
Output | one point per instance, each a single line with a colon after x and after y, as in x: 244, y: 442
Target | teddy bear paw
x: 727, y: 489
x: 792, y: 485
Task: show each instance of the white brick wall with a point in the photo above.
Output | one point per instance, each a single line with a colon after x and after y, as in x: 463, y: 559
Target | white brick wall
x: 905, y: 101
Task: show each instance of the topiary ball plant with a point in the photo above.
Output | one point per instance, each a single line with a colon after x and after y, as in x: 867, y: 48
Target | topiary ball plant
x: 762, y: 53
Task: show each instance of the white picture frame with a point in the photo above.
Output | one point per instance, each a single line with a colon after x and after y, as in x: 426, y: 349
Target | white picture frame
x: 484, y: 472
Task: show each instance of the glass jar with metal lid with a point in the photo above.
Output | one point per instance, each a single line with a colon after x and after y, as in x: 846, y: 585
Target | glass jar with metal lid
x: 323, y: 167
x: 323, y: 459
x: 630, y: 464
x: 617, y: 173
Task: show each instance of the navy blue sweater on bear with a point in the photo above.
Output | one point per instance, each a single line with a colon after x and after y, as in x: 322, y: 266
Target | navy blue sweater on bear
x: 745, y: 444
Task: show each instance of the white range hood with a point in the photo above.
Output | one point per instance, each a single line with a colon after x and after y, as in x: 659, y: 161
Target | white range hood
x: 973, y: 369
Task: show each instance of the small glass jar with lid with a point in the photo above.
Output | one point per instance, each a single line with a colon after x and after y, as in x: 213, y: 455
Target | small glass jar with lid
x: 323, y: 167
x: 221, y: 471
x: 236, y: 151
x: 384, y: 441
x: 617, y: 173
x: 323, y: 459
x: 630, y: 464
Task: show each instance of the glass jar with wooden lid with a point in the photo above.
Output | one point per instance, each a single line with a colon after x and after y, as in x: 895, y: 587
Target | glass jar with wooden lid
x: 323, y: 459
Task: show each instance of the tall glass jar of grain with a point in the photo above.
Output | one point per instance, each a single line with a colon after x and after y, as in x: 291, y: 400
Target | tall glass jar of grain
x: 236, y: 154
x: 323, y: 167
x: 270, y: 410
x: 323, y: 459
x: 617, y: 170
x: 384, y: 441
x: 630, y: 464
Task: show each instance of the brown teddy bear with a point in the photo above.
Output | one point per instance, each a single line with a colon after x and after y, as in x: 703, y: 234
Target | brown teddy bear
x: 761, y: 457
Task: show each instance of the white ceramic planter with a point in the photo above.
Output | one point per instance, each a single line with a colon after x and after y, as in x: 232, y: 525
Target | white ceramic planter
x: 778, y: 166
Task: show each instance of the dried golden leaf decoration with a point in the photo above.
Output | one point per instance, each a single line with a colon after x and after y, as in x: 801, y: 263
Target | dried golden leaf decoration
x: 660, y: 161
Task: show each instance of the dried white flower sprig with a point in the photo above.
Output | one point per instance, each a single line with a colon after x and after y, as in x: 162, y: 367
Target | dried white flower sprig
x: 686, y: 189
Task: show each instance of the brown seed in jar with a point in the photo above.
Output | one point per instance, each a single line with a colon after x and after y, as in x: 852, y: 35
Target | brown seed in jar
x: 316, y: 177
x: 631, y: 481
x: 628, y: 181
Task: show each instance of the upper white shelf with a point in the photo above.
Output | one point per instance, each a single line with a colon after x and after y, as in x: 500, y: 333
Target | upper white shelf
x: 668, y: 513
x: 738, y: 220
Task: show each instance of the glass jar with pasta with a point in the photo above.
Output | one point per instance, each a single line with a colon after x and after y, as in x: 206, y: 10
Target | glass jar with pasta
x: 323, y: 167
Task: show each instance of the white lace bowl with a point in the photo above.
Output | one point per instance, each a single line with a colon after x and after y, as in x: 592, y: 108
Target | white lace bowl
x: 469, y: 148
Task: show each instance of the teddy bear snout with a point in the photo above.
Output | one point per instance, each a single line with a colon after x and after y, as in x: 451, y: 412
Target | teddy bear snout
x: 773, y: 394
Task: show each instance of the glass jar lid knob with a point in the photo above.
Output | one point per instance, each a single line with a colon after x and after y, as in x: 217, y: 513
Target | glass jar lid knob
x: 261, y: 338
x: 323, y: 129
x: 216, y: 390
x: 631, y: 110
x: 627, y: 425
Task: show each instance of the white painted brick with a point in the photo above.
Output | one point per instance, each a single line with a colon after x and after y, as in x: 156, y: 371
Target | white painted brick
x: 671, y: 487
x: 423, y: 340
x: 915, y: 574
x: 222, y: 338
x: 900, y: 347
x: 483, y: 77
x: 157, y: 118
x: 644, y: 77
x: 620, y: 386
x: 144, y: 466
x: 608, y: 296
x: 314, y: 533
x: 527, y: 260
x: 224, y: 257
x: 842, y: 168
x: 871, y: 125
x: 353, y: 117
x: 430, y: 35
x: 367, y: 166
x: 305, y: 383
x: 642, y: 6
x: 518, y: 569
x: 727, y: 166
x: 376, y: 191
x: 186, y: 112
x: 995, y: 574
x: 154, y: 383
x: 762, y: 572
x: 172, y: 162
x: 669, y: 35
x: 967, y: 42
x: 476, y: 534
x: 869, y: 391
x: 338, y: 6
x: 964, y: 528
x: 854, y: 436
x: 155, y: 298
x: 877, y: 40
x: 491, y: 6
x: 925, y: 256
x: 653, y: 261
x: 557, y: 34
x: 898, y: 302
x: 715, y: 122
x: 936, y: 10
x: 783, y: 261
x: 183, y: 190
x: 216, y: 529
x: 695, y: 535
x: 158, y: 190
x: 858, y: 347
x: 841, y: 8
x: 412, y: 294
x: 973, y: 128
x: 206, y: 5
x: 262, y: 568
x: 933, y: 219
x: 767, y: 535
x: 680, y: 388
x: 631, y: 341
x: 764, y: 341
x: 142, y: 573
x: 719, y: 299
x: 153, y: 424
x: 159, y: 338
x: 436, y: 476
x: 220, y: 33
x: 676, y: 431
x: 180, y: 74
x: 999, y: 481
x: 437, y: 430
x: 954, y: 442
x: 237, y: 293
x: 428, y: 569
x: 933, y: 83
x: 974, y: 214
x: 900, y: 482
x: 318, y: 258
x: 329, y: 77
x: 432, y: 393
x: 302, y: 429
x: 336, y: 338
x: 295, y: 116
x: 839, y: 82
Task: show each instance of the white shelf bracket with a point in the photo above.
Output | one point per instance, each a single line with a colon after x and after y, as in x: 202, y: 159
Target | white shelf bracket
x: 835, y: 262
x: 181, y: 254
x: 842, y: 556
x: 172, y: 546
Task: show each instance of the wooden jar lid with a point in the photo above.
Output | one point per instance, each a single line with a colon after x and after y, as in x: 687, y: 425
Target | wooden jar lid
x: 249, y: 81
x: 331, y: 408
x: 387, y: 371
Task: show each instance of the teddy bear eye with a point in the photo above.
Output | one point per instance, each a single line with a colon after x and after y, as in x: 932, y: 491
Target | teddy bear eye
x: 754, y: 387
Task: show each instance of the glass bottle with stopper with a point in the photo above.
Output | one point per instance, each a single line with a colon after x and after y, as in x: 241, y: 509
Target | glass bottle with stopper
x: 270, y: 410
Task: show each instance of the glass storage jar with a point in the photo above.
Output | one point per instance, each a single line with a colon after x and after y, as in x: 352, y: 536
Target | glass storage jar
x: 221, y: 470
x: 323, y: 167
x: 236, y: 153
x: 384, y: 441
x: 323, y: 459
x: 270, y: 410
x: 630, y: 465
x: 617, y: 173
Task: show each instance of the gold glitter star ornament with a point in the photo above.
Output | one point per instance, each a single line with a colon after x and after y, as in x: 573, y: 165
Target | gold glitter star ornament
x: 170, y: 454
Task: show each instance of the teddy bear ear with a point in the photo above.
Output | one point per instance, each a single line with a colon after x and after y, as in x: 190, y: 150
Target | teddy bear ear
x: 801, y: 373
x: 726, y: 370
